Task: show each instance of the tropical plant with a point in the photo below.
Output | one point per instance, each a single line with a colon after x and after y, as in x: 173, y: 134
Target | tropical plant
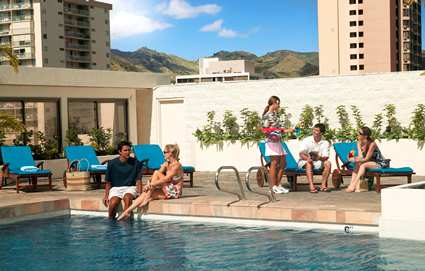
x: 251, y: 126
x: 72, y: 138
x: 393, y: 129
x: 345, y: 132
x: 306, y: 121
x: 46, y: 148
x: 211, y: 133
x: 230, y: 126
x: 285, y: 119
x: 357, y: 117
x: 11, y: 57
x: 100, y: 139
x: 377, y: 126
x: 24, y: 138
x: 417, y: 125
x: 9, y: 124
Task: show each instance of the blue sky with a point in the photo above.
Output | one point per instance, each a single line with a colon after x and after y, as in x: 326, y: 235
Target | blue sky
x: 198, y: 28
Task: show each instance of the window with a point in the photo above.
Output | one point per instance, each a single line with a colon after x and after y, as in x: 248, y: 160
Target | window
x: 406, y: 12
x: 360, y: 1
x: 353, y: 34
x: 61, y: 37
x: 93, y: 52
x: 353, y: 56
x: 353, y: 45
x: 361, y: 45
x: 60, y: 13
x: 45, y: 48
x: 361, y: 67
x: 61, y: 49
x: 360, y: 23
x: 86, y: 115
x: 352, y: 2
x: 46, y: 61
x: 108, y: 44
x: 107, y: 55
x: 59, y: 1
x: 353, y: 67
x: 353, y: 23
x: 352, y: 12
x: 108, y: 66
x: 361, y: 34
x: 360, y: 11
x: 361, y: 56
x: 37, y: 116
x: 44, y: 36
x: 94, y: 63
x: 106, y: 22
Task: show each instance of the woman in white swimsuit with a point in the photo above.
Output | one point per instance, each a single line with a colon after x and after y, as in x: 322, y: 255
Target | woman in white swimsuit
x: 166, y: 182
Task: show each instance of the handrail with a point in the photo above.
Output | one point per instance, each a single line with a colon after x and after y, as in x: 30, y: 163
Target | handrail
x: 240, y: 196
x: 270, y: 195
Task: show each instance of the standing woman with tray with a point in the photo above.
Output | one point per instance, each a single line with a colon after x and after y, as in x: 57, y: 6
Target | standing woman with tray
x: 272, y: 128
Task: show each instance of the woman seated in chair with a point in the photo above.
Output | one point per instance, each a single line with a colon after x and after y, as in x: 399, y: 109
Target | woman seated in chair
x: 369, y: 156
x: 166, y: 182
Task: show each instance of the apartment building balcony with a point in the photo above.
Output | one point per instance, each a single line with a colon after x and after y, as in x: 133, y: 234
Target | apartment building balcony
x: 22, y: 18
x: 77, y: 23
x: 21, y: 56
x: 5, y: 33
x: 77, y: 58
x: 80, y: 47
x: 22, y: 43
x: 77, y: 12
x: 77, y: 35
x: 16, y: 6
x: 5, y: 20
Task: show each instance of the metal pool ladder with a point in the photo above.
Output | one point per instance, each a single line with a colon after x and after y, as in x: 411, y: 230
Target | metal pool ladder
x: 270, y: 194
x: 241, y: 194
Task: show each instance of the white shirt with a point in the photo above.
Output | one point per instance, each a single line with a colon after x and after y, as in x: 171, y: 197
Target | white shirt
x: 309, y: 145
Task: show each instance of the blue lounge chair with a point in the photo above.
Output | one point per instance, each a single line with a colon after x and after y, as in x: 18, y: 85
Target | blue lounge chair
x: 18, y: 163
x: 345, y: 168
x: 84, y: 158
x: 154, y: 156
x: 291, y: 170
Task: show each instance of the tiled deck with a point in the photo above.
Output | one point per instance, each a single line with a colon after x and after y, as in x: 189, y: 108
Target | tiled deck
x: 205, y: 200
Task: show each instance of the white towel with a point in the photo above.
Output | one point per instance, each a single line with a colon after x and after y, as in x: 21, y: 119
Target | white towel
x: 100, y: 167
x: 29, y: 168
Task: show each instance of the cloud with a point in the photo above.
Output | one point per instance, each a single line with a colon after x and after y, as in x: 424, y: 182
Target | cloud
x: 224, y: 32
x: 181, y: 9
x: 213, y: 27
x: 228, y: 33
x: 127, y: 19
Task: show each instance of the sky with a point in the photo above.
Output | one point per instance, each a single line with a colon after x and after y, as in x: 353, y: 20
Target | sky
x: 199, y: 28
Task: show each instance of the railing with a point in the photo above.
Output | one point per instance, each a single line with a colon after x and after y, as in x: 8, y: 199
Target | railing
x: 77, y: 23
x: 76, y: 11
x: 241, y: 194
x: 5, y: 33
x: 265, y: 176
x: 77, y: 46
x: 77, y: 34
x: 25, y: 43
x: 25, y: 55
x: 15, y: 6
x: 78, y: 58
x: 5, y: 19
x: 21, y: 18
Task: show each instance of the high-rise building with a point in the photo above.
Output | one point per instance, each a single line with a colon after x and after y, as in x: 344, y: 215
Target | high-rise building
x: 57, y: 33
x: 367, y: 36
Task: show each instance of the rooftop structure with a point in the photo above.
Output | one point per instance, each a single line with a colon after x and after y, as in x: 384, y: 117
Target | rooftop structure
x: 66, y: 34
x: 214, y: 70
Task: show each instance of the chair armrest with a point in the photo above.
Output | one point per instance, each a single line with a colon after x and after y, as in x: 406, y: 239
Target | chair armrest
x: 40, y: 164
x: 106, y: 161
x: 5, y: 168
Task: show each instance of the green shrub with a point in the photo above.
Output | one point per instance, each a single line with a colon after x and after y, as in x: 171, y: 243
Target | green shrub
x: 100, y: 139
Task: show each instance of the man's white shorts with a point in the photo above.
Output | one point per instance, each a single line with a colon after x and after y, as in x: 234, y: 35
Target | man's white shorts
x: 122, y: 190
x: 317, y: 165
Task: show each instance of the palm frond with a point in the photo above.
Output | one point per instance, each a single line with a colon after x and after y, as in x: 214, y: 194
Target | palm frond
x: 13, y: 60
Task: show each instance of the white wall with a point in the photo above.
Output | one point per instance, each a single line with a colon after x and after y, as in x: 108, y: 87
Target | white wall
x: 369, y: 92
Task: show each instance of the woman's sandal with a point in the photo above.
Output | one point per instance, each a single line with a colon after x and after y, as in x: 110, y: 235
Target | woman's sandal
x: 315, y: 191
x: 325, y: 189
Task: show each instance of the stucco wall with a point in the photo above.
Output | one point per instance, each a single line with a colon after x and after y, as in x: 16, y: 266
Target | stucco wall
x: 369, y: 92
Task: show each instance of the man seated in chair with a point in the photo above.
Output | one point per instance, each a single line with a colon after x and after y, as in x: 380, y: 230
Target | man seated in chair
x: 314, y: 155
x: 122, y: 175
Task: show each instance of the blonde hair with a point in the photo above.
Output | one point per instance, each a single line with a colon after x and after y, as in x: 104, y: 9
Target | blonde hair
x: 174, y: 149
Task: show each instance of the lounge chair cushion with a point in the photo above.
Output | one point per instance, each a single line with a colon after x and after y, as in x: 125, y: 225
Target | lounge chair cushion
x: 392, y: 170
x: 35, y: 172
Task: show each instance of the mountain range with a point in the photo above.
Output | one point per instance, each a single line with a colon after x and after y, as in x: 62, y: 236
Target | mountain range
x: 277, y: 64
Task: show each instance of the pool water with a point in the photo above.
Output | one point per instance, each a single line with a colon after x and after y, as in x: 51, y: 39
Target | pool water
x: 93, y: 243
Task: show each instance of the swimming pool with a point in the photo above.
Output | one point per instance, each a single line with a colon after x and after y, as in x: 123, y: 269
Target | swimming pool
x: 94, y: 243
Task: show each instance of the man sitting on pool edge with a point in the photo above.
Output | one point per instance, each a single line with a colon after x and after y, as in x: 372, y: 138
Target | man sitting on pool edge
x: 122, y: 175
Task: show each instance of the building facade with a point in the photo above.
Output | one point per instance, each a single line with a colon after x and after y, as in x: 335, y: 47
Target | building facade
x: 214, y: 70
x: 368, y: 36
x: 63, y: 33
